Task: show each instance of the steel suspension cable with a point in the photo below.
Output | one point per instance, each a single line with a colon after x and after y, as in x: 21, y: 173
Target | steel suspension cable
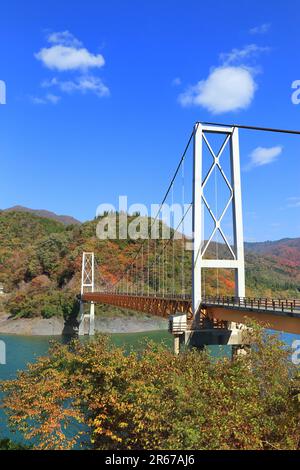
x: 148, y: 266
x: 173, y: 246
x: 173, y: 234
x: 183, y: 236
x: 164, y: 198
x: 253, y: 128
x: 142, y: 277
x: 155, y: 277
x: 217, y: 217
x: 163, y: 273
x: 167, y: 266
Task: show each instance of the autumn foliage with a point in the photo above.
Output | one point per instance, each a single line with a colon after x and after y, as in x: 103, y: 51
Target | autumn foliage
x: 40, y: 265
x: 153, y: 400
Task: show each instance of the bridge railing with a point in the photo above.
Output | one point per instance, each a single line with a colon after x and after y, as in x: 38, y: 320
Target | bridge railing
x: 283, y: 305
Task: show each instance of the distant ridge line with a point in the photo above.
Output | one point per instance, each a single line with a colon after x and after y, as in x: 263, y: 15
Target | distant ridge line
x: 64, y: 219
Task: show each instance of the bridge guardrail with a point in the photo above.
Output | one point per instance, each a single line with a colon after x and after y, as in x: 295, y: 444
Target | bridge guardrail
x: 283, y: 305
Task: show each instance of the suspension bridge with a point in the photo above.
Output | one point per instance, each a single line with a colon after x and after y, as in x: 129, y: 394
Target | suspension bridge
x: 166, y: 275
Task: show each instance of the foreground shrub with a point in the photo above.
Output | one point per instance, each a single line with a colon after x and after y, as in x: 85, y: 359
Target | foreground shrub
x: 154, y: 400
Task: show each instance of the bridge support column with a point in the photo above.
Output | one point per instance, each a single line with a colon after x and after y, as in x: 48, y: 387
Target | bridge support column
x: 81, y: 319
x: 176, y: 344
x: 202, y: 135
x: 92, y: 319
x: 87, y: 285
x: 206, y: 335
x: 214, y: 337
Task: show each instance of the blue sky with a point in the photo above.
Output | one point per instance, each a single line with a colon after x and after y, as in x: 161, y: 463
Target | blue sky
x: 102, y: 96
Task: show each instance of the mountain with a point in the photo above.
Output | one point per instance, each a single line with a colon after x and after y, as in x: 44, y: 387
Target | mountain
x: 286, y: 249
x: 40, y: 265
x: 65, y: 219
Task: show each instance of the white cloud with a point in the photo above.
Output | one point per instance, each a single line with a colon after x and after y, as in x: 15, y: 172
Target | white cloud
x: 261, y: 29
x: 49, y: 98
x: 82, y: 84
x: 67, y: 54
x: 238, y: 55
x: 226, y: 89
x: 64, y: 38
x: 63, y: 58
x: 263, y: 156
x: 229, y: 87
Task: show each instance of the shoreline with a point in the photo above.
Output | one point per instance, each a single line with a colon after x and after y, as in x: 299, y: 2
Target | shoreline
x: 54, y: 326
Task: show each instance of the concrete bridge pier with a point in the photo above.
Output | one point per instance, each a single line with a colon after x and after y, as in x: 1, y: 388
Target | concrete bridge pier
x: 217, y: 337
x: 92, y: 319
x: 86, y: 320
x: 81, y: 319
x: 177, y: 343
x: 199, y: 337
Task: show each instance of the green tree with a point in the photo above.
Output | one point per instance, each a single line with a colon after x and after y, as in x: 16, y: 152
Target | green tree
x: 50, y: 250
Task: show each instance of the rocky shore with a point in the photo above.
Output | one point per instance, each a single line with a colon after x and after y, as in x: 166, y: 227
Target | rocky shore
x: 55, y: 326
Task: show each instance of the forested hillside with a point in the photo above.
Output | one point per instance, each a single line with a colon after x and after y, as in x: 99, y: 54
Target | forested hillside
x: 65, y: 219
x: 40, y: 263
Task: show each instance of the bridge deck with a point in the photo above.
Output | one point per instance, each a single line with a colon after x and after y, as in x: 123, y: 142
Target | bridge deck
x: 155, y: 305
x: 279, y: 314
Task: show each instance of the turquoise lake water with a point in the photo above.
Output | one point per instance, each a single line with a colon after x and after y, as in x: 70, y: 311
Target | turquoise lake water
x: 21, y: 350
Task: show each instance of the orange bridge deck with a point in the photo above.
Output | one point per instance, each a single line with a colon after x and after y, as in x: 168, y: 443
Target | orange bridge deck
x: 281, y: 315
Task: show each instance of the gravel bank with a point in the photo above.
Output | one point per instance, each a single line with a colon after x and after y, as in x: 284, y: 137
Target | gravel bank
x: 55, y: 326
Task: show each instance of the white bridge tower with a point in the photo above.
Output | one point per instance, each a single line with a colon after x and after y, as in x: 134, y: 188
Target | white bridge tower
x: 87, y: 320
x: 202, y: 135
